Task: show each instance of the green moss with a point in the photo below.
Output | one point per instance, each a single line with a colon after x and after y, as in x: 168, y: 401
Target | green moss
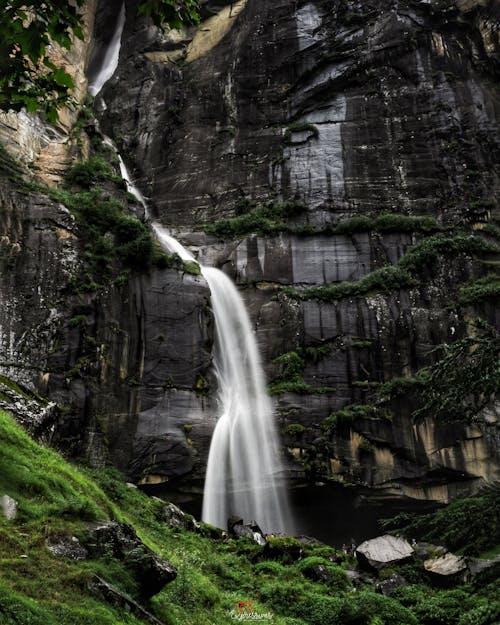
x: 88, y: 173
x: 110, y: 237
x: 192, y: 268
x: 268, y: 218
x: 290, y: 379
x: 361, y: 344
x: 21, y: 390
x: 402, y: 275
x: 296, y: 127
x: 389, y: 222
x: 486, y: 288
x: 77, y: 320
x: 347, y: 416
x: 294, y: 429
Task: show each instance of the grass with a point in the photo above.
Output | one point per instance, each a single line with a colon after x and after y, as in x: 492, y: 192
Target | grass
x: 296, y: 582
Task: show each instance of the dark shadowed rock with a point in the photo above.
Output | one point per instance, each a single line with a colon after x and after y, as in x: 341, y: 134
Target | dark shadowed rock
x: 66, y: 547
x: 113, y: 596
x: 389, y: 585
x: 118, y: 540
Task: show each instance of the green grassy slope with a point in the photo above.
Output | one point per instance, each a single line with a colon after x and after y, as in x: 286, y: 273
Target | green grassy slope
x: 56, y: 498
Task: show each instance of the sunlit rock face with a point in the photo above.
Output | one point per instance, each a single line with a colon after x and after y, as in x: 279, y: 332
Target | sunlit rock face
x: 47, y: 149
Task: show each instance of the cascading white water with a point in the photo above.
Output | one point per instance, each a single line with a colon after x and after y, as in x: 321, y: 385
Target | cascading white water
x: 244, y: 472
x: 243, y: 463
x: 111, y: 56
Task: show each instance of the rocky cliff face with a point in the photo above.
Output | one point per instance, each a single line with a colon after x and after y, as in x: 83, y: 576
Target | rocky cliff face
x: 384, y: 112
x: 357, y: 109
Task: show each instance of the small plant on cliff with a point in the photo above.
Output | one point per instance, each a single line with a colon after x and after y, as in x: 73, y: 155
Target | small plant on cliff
x: 290, y: 379
x: 268, y: 218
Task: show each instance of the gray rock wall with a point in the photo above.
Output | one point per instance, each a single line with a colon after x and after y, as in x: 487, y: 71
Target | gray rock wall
x: 360, y: 108
x: 353, y: 108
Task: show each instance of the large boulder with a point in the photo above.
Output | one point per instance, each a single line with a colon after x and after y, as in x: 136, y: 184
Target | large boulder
x: 447, y: 569
x: 120, y: 541
x: 383, y: 550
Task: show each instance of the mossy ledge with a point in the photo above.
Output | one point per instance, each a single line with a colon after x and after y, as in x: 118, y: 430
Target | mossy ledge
x: 402, y: 275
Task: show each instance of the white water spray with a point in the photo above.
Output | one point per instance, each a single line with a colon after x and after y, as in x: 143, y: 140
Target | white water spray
x: 243, y: 468
x: 111, y: 57
x: 244, y: 471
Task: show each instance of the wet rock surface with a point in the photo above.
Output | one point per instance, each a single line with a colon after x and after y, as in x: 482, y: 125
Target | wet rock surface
x: 354, y: 110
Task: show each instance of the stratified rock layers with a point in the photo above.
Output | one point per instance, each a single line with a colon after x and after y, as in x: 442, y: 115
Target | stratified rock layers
x: 355, y: 109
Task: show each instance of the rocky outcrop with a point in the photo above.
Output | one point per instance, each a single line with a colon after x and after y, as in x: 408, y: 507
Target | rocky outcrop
x: 118, y: 540
x: 50, y: 149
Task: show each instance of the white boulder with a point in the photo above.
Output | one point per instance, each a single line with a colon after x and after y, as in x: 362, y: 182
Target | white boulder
x: 384, y: 550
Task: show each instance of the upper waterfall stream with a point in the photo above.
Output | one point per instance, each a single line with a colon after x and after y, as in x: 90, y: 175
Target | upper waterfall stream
x: 244, y: 473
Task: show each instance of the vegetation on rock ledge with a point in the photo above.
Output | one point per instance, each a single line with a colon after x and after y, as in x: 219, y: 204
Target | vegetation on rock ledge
x: 404, y: 274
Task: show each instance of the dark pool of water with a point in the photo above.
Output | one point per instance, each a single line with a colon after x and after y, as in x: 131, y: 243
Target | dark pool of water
x: 330, y: 513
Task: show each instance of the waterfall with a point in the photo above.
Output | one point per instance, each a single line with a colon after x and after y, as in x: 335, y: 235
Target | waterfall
x: 244, y: 471
x: 243, y: 463
x: 109, y: 62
